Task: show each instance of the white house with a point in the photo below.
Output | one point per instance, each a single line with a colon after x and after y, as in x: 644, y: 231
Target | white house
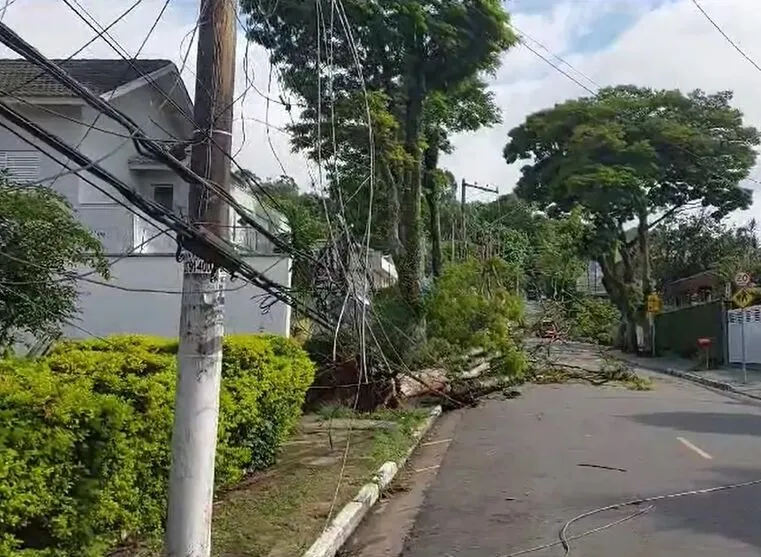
x: 143, y: 293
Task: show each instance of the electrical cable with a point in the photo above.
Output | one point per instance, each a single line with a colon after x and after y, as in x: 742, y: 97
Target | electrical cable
x: 100, y: 188
x: 602, y: 528
x: 4, y: 9
x: 161, y: 92
x: 726, y: 37
x: 73, y: 120
x: 563, y: 534
x: 80, y: 49
x: 565, y: 540
x: 131, y: 62
x: 364, y: 373
x: 696, y: 158
x: 201, y: 242
x: 71, y: 276
x: 38, y: 304
x: 156, y: 151
x: 560, y: 59
x: 559, y: 69
x: 121, y: 79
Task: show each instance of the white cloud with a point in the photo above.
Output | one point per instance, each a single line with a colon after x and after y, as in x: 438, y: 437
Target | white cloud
x: 668, y: 46
x: 672, y: 46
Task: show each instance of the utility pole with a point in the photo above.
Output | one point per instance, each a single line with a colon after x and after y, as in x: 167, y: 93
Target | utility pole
x: 196, y: 413
x: 474, y: 186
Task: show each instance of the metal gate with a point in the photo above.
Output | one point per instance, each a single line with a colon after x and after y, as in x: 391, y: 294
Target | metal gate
x: 752, y: 334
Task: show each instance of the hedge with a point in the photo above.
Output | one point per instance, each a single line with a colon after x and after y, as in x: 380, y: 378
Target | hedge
x: 85, y: 436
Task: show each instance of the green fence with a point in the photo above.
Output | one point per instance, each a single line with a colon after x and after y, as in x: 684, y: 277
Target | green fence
x: 678, y: 331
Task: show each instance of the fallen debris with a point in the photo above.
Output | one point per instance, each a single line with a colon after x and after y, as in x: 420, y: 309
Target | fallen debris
x: 603, y: 467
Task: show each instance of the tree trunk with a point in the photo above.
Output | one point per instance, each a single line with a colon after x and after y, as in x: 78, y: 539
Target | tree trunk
x: 430, y: 163
x: 619, y: 293
x: 393, y: 240
x: 410, y: 266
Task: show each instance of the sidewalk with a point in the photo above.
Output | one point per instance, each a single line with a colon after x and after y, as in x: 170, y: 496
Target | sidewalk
x: 728, y: 378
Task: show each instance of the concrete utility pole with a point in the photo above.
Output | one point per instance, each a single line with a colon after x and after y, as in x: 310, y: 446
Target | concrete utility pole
x: 462, y: 209
x: 194, y: 437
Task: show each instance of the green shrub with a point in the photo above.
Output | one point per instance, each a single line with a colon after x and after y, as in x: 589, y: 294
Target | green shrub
x: 593, y: 320
x: 472, y: 306
x: 85, y: 442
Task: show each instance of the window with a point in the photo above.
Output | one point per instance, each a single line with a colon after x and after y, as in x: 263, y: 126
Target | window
x: 23, y: 166
x: 163, y: 194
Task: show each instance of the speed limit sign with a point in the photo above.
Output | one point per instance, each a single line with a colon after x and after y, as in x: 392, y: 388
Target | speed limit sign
x: 742, y: 279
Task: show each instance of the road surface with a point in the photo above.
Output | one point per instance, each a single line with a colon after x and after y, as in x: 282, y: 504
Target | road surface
x: 511, y: 473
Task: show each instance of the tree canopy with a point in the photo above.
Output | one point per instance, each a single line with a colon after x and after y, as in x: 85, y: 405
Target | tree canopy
x: 690, y: 244
x: 630, y: 157
x: 410, y: 70
x: 41, y: 244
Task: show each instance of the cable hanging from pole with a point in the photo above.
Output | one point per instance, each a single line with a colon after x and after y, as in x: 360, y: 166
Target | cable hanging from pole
x: 198, y: 241
x: 144, y: 145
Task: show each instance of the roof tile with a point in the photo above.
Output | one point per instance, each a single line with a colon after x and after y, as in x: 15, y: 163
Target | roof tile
x: 22, y: 78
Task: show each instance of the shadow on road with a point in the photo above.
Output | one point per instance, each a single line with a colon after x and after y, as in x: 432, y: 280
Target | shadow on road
x: 733, y: 514
x: 703, y: 422
x: 727, y: 517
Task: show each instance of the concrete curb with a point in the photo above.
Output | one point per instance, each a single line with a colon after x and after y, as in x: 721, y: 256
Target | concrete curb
x: 347, y: 520
x: 713, y: 383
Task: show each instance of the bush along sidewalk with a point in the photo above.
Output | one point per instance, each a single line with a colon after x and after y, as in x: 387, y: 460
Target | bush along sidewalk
x: 85, y: 441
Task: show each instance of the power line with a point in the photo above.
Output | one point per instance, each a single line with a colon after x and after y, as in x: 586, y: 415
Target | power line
x: 121, y: 51
x: 119, y: 18
x: 82, y: 123
x: 205, y: 245
x: 64, y: 164
x: 110, y: 41
x: 554, y: 55
x: 695, y: 157
x: 123, y: 76
x: 559, y: 69
x: 726, y: 37
x: 141, y: 141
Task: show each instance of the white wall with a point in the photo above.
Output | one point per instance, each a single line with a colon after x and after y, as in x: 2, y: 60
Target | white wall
x: 114, y: 224
x: 106, y: 310
x: 61, y: 126
x: 111, y: 148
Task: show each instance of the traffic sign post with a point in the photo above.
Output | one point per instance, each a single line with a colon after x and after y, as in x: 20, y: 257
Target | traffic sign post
x: 654, y: 306
x: 742, y: 299
x: 742, y: 341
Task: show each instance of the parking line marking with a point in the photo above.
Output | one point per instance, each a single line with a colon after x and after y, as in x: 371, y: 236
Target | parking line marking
x: 694, y: 448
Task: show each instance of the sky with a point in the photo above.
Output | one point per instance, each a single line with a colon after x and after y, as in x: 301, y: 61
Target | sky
x: 655, y: 43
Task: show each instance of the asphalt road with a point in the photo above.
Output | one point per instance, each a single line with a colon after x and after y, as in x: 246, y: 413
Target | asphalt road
x: 517, y: 470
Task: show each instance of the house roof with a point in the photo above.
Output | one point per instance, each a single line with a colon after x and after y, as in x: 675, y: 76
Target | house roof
x: 687, y: 285
x: 22, y: 78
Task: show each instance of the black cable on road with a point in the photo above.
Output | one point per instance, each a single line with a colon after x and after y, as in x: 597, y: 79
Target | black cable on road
x: 564, y: 539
